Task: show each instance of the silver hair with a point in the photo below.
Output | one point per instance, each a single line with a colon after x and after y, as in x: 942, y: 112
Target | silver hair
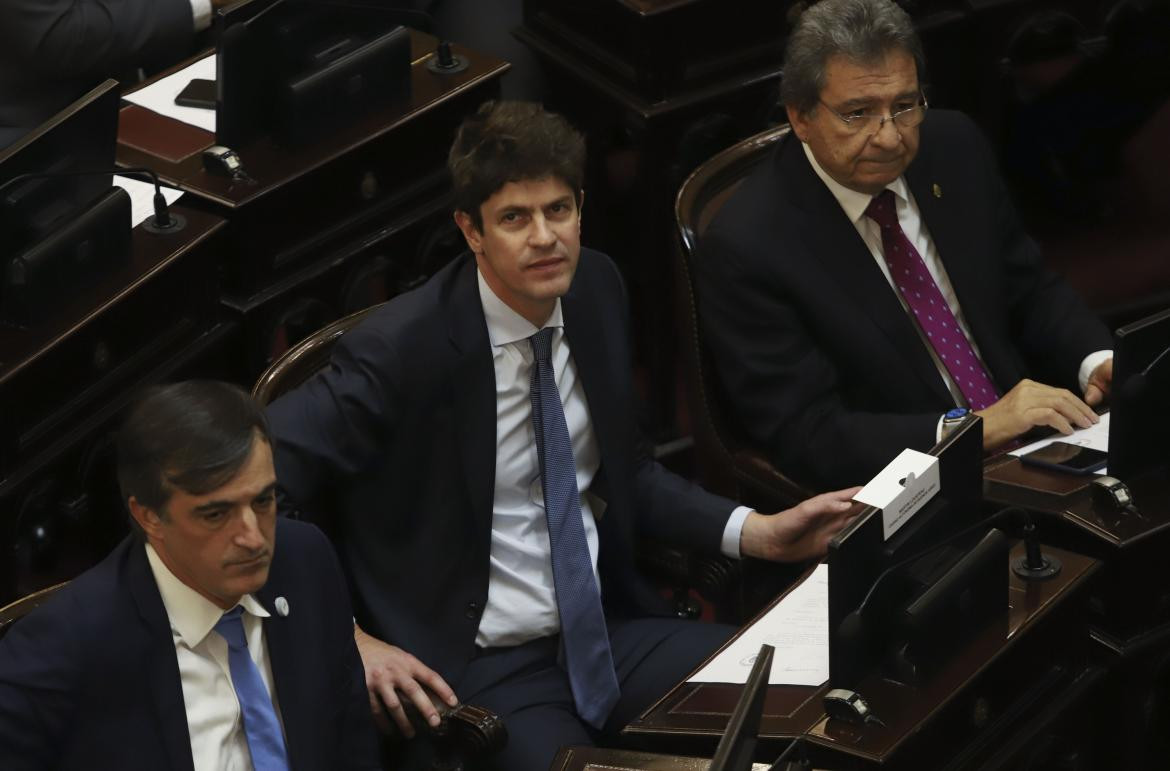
x: 862, y: 30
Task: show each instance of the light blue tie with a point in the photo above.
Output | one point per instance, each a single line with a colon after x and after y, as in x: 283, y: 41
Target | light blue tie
x: 584, y: 638
x: 262, y: 729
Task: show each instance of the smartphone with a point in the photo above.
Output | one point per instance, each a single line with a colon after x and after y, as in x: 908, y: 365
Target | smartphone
x: 1070, y: 458
x: 198, y: 93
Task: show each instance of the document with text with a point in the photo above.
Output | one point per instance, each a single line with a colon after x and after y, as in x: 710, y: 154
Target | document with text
x: 797, y: 627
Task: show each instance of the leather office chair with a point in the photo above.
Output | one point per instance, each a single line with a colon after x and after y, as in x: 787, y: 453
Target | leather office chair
x: 467, y: 732
x: 15, y: 611
x: 727, y: 465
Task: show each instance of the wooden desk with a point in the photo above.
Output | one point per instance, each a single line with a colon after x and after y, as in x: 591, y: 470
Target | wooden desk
x: 63, y: 381
x: 327, y: 228
x: 999, y: 685
x: 1130, y: 603
x: 595, y: 759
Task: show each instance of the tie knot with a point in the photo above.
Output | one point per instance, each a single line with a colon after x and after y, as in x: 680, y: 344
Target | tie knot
x: 231, y: 627
x: 542, y: 345
x: 881, y: 209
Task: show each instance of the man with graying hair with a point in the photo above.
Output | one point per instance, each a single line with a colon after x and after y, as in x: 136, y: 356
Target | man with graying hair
x: 870, y: 283
x: 214, y: 637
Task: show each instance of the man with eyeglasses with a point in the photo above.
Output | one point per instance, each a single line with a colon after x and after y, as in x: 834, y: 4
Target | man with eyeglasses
x: 871, y: 282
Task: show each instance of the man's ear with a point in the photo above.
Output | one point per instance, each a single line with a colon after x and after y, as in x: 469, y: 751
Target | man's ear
x: 471, y: 234
x: 147, y: 519
x: 798, y: 121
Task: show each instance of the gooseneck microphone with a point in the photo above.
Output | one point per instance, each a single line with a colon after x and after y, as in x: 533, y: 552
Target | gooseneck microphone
x: 161, y: 222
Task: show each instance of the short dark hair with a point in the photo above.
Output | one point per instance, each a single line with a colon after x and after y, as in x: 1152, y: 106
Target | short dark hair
x: 509, y: 142
x: 194, y: 436
x: 862, y: 30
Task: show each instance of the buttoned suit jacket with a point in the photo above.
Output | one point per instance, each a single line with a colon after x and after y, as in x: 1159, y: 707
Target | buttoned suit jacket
x: 394, y: 446
x: 90, y: 680
x: 54, y: 51
x: 822, y: 367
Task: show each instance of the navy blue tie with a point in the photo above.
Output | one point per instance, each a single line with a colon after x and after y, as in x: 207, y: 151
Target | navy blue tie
x: 584, y: 638
x: 262, y: 729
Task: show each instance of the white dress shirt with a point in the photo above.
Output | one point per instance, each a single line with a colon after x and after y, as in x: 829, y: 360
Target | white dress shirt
x: 854, y: 205
x: 218, y: 742
x: 201, y: 13
x: 522, y: 603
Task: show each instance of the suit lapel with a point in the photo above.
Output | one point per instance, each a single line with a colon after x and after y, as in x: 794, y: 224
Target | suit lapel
x: 288, y: 666
x: 829, y: 234
x: 161, y: 666
x: 474, y: 394
x: 587, y: 341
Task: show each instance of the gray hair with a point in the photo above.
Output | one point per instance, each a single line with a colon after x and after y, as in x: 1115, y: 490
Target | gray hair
x: 862, y: 30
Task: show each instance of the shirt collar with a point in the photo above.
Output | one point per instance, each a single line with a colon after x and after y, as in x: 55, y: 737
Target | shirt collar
x: 852, y: 202
x: 505, y: 325
x: 191, y: 614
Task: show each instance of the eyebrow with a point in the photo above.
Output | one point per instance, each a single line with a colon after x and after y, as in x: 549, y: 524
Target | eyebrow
x: 216, y: 505
x: 526, y: 209
x: 854, y: 104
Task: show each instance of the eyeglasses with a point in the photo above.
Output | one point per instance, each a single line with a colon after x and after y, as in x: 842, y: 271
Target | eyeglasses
x: 861, y: 122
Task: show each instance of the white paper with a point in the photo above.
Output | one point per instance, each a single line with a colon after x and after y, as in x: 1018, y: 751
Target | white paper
x: 797, y: 627
x: 903, y: 487
x: 160, y: 95
x: 1095, y: 436
x: 142, y: 197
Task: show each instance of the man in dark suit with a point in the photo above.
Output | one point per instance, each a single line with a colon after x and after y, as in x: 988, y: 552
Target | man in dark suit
x: 872, y: 274
x: 474, y: 442
x: 136, y: 665
x: 53, y: 51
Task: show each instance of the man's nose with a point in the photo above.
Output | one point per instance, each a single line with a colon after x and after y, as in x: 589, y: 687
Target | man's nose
x: 541, y: 234
x: 887, y: 137
x: 249, y: 534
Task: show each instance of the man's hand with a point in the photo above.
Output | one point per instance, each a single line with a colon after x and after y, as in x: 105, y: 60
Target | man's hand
x: 1099, y: 383
x: 393, y: 674
x: 1032, y: 404
x: 799, y: 533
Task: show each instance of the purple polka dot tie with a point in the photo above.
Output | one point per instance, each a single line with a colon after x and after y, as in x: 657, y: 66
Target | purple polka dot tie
x: 909, y: 274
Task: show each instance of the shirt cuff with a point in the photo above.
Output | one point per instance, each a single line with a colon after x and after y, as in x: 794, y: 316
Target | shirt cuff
x: 1091, y: 362
x: 732, y: 530
x: 201, y: 12
x: 938, y: 430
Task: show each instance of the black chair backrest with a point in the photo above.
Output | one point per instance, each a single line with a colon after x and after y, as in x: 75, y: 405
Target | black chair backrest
x: 15, y: 611
x: 699, y: 199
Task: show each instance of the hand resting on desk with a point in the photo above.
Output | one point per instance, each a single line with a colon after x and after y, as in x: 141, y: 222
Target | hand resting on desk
x: 1032, y: 404
x: 802, y: 532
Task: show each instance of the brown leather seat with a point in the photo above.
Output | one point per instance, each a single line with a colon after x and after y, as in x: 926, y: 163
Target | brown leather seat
x: 467, y: 732
x: 726, y: 464
x: 15, y: 611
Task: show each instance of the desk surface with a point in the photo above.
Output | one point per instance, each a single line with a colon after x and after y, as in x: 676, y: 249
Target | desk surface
x: 702, y: 710
x: 149, y: 254
x: 272, y: 166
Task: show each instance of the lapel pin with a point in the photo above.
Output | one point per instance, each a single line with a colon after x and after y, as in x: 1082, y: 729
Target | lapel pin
x: 281, y: 606
x: 936, y: 190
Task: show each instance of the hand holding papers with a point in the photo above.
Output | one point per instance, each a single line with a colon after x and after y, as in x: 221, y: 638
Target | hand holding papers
x: 797, y: 627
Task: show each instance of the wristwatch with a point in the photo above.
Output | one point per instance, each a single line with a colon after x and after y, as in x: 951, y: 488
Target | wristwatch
x: 952, y: 419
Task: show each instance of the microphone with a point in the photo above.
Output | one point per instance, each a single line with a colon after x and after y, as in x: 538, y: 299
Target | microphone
x: 852, y: 626
x: 161, y: 222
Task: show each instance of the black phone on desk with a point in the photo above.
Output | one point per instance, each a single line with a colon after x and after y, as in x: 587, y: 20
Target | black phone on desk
x: 198, y: 93
x: 1067, y: 457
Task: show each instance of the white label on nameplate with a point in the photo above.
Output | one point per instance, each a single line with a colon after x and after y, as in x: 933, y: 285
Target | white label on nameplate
x: 901, y: 489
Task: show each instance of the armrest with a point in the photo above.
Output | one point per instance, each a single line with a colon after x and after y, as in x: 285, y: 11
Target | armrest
x: 467, y: 729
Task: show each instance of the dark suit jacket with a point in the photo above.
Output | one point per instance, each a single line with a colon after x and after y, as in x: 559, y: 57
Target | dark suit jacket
x: 822, y: 366
x: 396, y: 442
x: 90, y: 680
x: 53, y: 51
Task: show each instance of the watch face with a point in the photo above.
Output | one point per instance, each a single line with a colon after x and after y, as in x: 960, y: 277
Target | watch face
x: 958, y: 413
